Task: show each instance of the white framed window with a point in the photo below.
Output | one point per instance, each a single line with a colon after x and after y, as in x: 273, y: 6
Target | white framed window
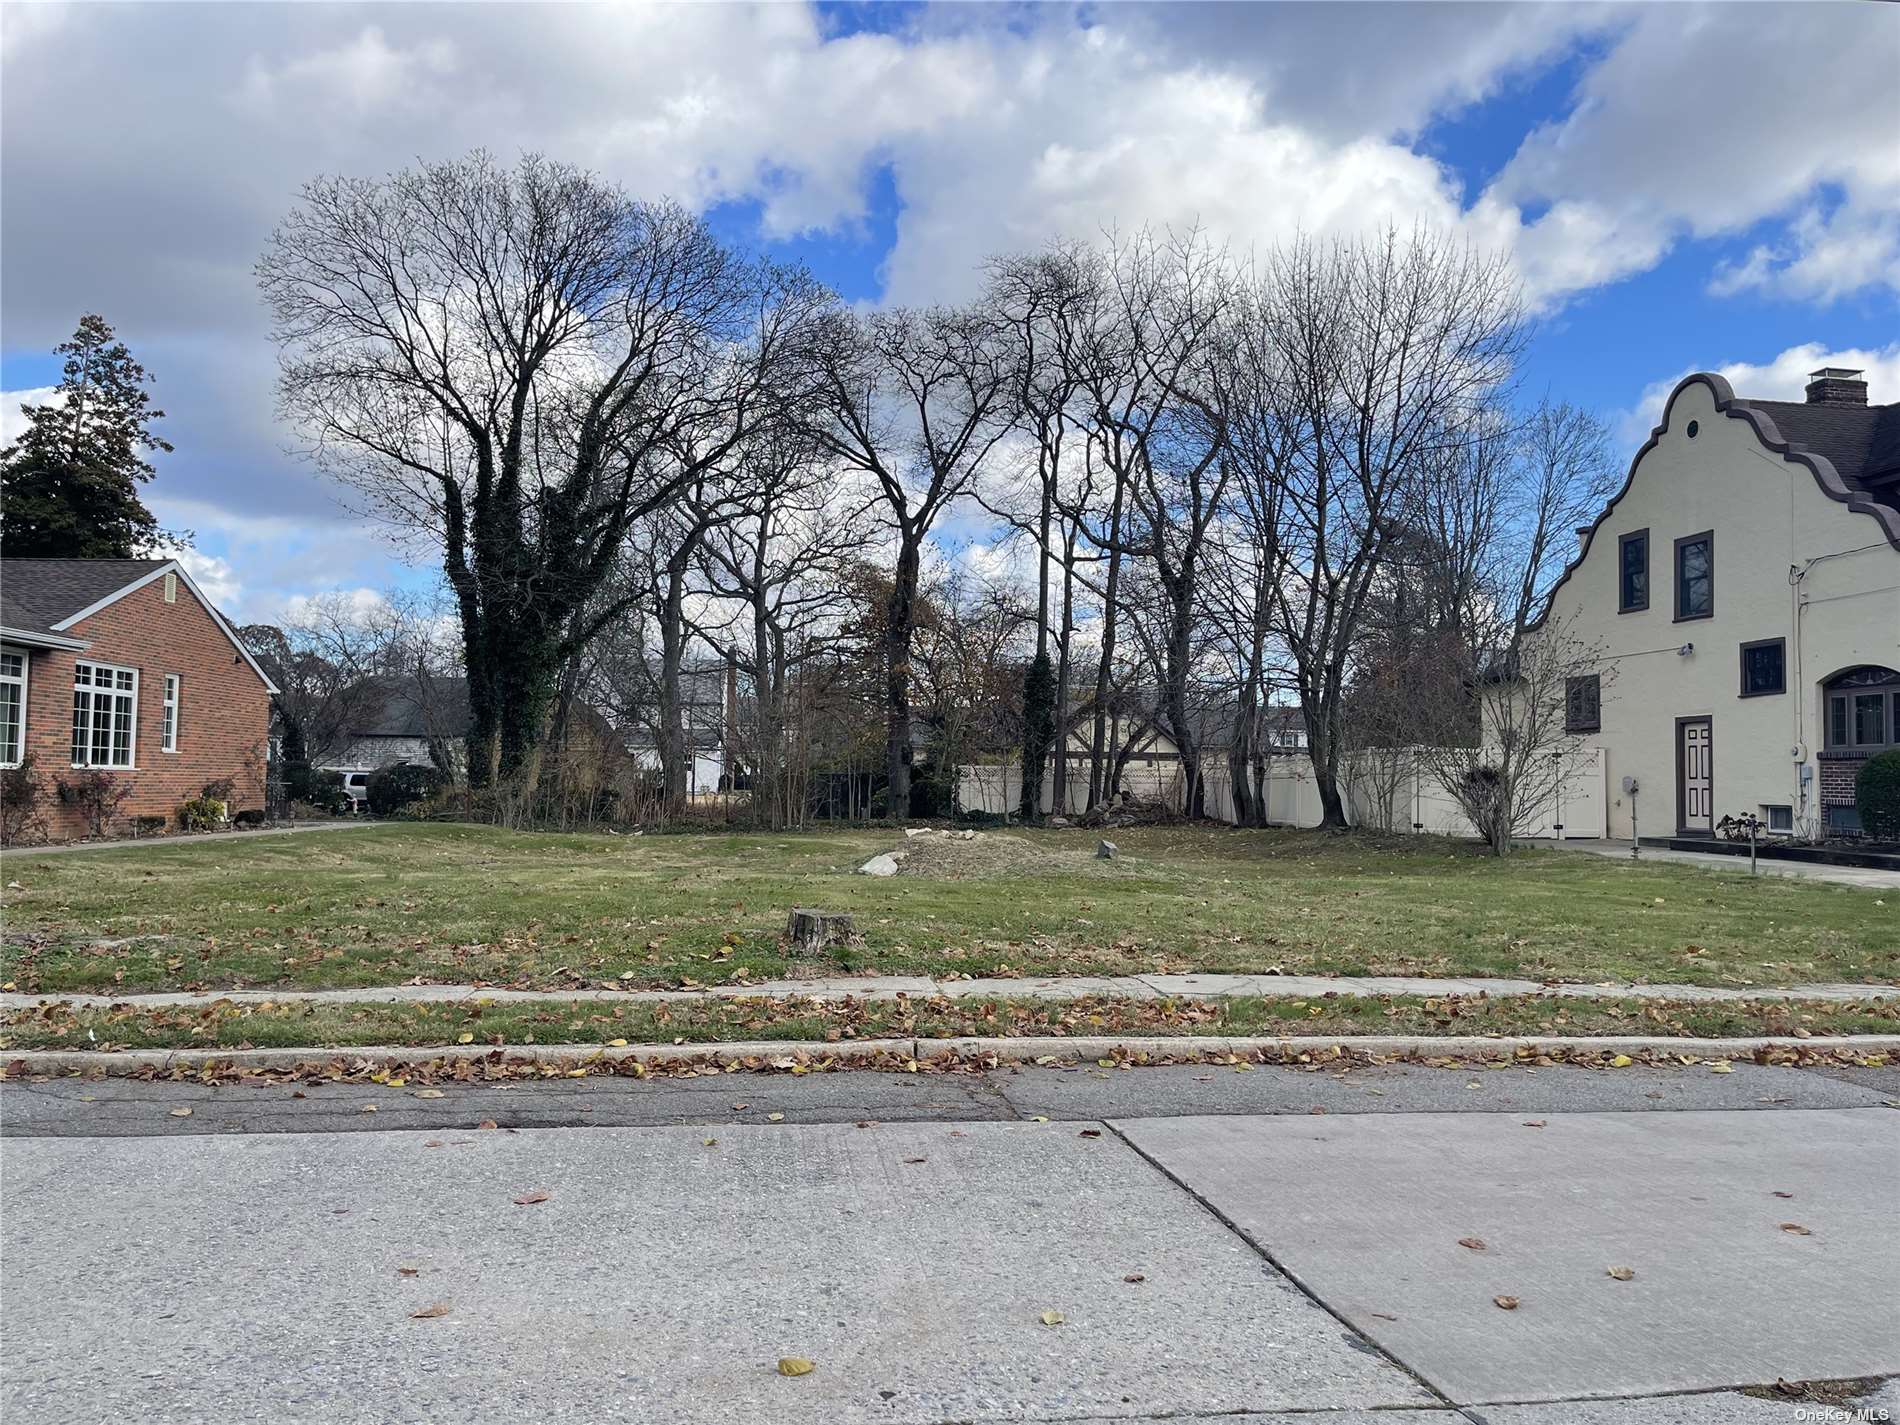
x: 12, y: 707
x: 169, y: 740
x: 105, y: 715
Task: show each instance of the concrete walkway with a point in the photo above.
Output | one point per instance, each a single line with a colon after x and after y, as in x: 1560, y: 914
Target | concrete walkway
x: 892, y: 987
x: 1733, y: 865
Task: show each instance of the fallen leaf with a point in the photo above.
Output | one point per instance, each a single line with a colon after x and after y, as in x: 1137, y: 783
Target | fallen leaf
x: 1779, y: 1193
x: 1537, y: 1123
x: 181, y: 1113
x: 529, y: 1199
x: 1507, y: 1303
x: 794, y: 1366
x: 1621, y: 1274
x: 488, y: 1123
x: 916, y: 1160
x: 465, y: 1039
x: 441, y: 1308
x: 616, y: 1043
x: 1721, y: 1068
x: 429, y: 1093
x: 774, y: 1118
x: 1052, y: 1318
x: 1795, y: 1229
x: 367, y: 1108
x: 1621, y: 1061
x: 405, y: 1271
x: 433, y: 1143
x: 1476, y: 1244
x: 1134, y: 1277
x: 1090, y: 1133
x: 710, y: 1142
x: 1383, y: 1315
x: 1040, y: 1118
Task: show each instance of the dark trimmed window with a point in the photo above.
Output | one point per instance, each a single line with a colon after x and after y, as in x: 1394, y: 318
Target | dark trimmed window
x: 1632, y: 571
x: 1695, y: 576
x: 1583, y: 703
x: 1863, y: 710
x: 1764, y: 667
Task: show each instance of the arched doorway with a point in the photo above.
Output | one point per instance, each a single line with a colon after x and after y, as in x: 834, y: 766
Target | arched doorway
x: 1860, y: 718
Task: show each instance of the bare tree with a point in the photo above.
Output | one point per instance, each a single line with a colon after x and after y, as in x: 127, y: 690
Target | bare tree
x: 913, y: 401
x: 1501, y: 694
x: 1388, y: 345
x: 492, y: 357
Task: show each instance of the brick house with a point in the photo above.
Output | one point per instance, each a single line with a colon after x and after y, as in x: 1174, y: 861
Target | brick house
x: 124, y: 665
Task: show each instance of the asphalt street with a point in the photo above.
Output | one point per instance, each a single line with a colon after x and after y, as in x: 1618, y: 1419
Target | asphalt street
x: 1075, y: 1246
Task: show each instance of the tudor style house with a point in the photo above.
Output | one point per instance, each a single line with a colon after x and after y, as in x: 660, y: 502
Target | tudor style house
x: 1744, y: 588
x: 123, y: 665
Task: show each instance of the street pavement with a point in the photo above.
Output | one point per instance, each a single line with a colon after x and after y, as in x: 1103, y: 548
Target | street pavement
x: 1270, y: 1246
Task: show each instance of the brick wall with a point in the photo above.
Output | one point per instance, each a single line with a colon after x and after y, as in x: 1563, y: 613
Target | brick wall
x: 1838, y: 771
x: 224, y: 708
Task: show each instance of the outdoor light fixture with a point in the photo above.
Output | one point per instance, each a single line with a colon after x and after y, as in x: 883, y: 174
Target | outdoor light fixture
x: 1685, y: 650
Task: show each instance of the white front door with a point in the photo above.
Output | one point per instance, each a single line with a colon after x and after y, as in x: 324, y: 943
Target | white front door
x: 1695, y: 776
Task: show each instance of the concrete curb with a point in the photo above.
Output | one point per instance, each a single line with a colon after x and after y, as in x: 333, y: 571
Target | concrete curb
x: 785, y: 1054
x: 886, y: 988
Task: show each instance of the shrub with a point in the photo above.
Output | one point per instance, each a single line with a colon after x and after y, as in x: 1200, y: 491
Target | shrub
x: 98, y: 795
x: 21, y: 789
x: 220, y: 789
x: 1877, y: 796
x: 1482, y: 798
x: 250, y: 816
x: 202, y: 814
x: 393, y: 788
x: 148, y: 825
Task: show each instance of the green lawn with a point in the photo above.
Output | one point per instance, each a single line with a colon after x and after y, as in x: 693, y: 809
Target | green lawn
x: 591, y: 1022
x: 458, y: 903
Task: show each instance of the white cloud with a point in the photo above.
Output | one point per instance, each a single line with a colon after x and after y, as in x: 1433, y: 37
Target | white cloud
x: 13, y: 424
x: 213, y: 575
x: 1704, y: 121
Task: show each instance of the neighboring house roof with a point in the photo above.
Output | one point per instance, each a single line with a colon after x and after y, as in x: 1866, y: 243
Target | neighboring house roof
x: 410, y: 707
x: 41, y: 599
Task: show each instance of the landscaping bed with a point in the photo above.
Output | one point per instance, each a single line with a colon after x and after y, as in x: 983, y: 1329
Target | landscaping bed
x: 225, y: 1025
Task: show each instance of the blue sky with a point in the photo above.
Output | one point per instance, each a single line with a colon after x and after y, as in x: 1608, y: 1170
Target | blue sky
x: 1681, y: 187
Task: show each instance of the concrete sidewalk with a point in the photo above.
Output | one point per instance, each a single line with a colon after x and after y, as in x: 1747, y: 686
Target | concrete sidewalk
x: 1862, y: 877
x: 891, y: 987
x: 1239, y: 1268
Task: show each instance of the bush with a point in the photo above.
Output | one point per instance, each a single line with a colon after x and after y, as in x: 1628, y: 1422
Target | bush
x: 1877, y: 796
x: 393, y: 788
x: 98, y: 795
x: 21, y: 789
x: 220, y: 789
x: 148, y: 825
x: 202, y: 814
x: 322, y: 792
x: 250, y: 816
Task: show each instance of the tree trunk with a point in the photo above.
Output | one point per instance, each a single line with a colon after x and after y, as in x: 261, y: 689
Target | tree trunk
x: 1098, y: 742
x: 900, y: 621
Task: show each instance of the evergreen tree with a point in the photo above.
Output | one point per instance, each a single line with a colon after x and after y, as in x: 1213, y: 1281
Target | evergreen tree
x: 69, y: 484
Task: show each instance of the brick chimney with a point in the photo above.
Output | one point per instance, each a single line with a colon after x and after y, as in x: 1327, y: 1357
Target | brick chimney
x: 1837, y: 386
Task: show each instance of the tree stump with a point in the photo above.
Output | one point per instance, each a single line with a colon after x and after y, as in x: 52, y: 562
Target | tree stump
x: 808, y: 931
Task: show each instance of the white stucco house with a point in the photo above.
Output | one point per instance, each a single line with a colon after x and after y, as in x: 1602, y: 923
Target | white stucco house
x: 1744, y: 590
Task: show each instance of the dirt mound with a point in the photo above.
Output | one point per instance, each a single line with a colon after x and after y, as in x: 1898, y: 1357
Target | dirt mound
x: 952, y: 856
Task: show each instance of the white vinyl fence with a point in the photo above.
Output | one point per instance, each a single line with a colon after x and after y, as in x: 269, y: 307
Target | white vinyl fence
x: 1418, y: 801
